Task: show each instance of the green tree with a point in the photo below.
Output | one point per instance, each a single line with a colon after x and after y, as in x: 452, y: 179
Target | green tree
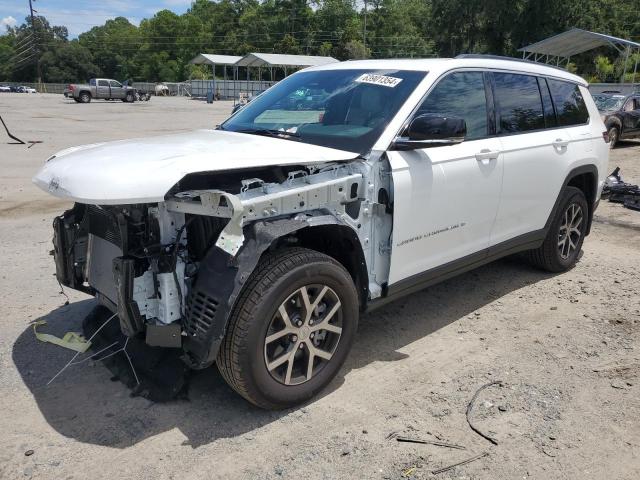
x: 69, y: 62
x: 113, y: 47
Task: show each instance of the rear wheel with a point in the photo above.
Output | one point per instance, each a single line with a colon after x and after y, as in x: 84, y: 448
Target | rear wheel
x: 561, y: 247
x: 84, y: 97
x: 291, y: 329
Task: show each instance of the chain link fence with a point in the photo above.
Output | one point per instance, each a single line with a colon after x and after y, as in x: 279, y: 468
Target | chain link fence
x: 220, y: 89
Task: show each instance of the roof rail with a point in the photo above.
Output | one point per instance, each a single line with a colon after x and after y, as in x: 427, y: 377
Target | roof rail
x: 510, y: 59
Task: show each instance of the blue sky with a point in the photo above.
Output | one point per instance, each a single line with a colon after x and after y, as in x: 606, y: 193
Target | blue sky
x: 81, y: 15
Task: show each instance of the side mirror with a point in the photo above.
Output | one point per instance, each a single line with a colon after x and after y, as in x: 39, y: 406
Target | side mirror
x: 430, y: 131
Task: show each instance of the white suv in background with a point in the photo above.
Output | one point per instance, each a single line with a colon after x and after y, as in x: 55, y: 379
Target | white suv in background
x: 258, y: 244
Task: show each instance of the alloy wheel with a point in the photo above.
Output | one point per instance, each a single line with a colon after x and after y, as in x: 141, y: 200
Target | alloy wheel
x: 303, y: 334
x: 570, y: 230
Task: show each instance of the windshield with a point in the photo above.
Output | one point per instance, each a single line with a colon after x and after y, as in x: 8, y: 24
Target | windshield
x: 606, y: 103
x: 343, y: 109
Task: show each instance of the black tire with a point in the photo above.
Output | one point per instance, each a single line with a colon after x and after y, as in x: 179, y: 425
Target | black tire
x: 76, y: 99
x: 84, y: 97
x: 242, y: 359
x: 550, y: 255
x: 614, y: 137
x: 130, y: 98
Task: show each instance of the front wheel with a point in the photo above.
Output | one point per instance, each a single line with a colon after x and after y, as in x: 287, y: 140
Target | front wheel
x: 129, y: 98
x: 291, y: 328
x: 614, y: 136
x: 561, y: 248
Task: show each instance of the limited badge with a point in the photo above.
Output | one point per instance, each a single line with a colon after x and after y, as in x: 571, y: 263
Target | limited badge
x: 383, y: 80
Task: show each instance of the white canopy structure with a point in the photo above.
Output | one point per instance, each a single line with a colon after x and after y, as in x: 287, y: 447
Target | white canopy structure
x: 561, y: 47
x: 210, y: 59
x: 282, y: 60
x: 279, y: 60
x: 257, y: 61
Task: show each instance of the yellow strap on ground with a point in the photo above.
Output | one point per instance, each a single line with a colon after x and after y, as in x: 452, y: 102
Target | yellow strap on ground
x: 71, y: 340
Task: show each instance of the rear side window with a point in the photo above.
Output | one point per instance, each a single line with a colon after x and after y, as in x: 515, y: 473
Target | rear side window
x: 461, y: 95
x: 103, y: 83
x: 519, y: 104
x: 569, y: 104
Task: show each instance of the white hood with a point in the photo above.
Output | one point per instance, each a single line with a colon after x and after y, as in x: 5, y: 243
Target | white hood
x: 143, y: 170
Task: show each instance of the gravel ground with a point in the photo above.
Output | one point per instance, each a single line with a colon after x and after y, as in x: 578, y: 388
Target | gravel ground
x: 565, y: 348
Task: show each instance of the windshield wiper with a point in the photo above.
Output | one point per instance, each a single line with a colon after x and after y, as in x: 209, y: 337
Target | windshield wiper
x: 270, y: 132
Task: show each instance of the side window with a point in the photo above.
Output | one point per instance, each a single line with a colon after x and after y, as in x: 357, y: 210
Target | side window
x: 462, y: 95
x: 115, y: 84
x: 519, y: 103
x: 628, y: 107
x: 569, y: 104
x: 103, y: 83
x: 92, y: 82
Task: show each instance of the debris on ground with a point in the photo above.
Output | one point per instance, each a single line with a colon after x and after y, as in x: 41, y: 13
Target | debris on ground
x: 17, y: 140
x: 429, y: 442
x: 155, y: 373
x: 470, y: 408
x: 409, y: 471
x: 463, y: 462
x: 618, y: 191
x: 71, y: 340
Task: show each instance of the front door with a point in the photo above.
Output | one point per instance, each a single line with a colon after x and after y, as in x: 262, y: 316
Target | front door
x: 116, y: 89
x: 631, y: 117
x: 446, y: 197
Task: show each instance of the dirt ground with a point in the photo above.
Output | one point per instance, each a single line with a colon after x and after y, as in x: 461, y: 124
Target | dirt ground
x: 564, y: 346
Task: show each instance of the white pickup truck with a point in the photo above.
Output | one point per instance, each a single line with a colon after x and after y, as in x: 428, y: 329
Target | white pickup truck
x: 258, y: 244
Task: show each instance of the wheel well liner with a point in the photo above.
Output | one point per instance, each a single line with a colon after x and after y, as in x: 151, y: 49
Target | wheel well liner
x: 584, y: 178
x: 221, y: 277
x: 341, y: 243
x: 613, y: 122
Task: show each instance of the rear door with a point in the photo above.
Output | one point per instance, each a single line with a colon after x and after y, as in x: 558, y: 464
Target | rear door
x: 543, y: 128
x: 446, y: 197
x: 103, y: 89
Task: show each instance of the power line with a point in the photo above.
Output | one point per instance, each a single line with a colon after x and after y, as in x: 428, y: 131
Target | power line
x: 33, y: 26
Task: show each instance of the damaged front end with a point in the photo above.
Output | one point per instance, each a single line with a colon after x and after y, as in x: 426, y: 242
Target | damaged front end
x: 172, y: 270
x: 132, y: 258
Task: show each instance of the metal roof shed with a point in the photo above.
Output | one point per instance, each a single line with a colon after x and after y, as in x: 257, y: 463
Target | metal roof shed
x: 279, y: 60
x: 211, y: 59
x: 282, y: 60
x: 575, y: 41
x: 214, y: 60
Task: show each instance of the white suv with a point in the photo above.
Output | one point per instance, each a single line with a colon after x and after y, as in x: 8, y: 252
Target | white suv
x: 258, y: 244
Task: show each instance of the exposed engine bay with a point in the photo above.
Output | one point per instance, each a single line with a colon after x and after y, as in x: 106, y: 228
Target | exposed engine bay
x: 145, y: 261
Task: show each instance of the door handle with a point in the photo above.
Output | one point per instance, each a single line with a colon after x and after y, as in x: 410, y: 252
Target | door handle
x: 560, y: 143
x: 486, y: 154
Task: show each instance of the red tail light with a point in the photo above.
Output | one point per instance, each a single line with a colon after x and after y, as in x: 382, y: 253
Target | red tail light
x: 605, y: 135
x: 71, y: 87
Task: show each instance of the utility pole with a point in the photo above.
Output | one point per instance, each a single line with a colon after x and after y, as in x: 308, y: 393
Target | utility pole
x: 37, y: 45
x: 364, y: 32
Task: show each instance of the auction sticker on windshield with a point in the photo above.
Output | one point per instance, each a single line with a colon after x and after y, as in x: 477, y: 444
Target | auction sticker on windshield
x: 383, y: 80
